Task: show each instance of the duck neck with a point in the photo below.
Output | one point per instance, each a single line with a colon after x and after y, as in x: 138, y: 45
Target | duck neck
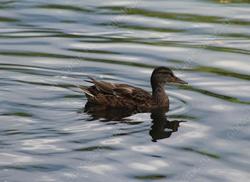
x: 159, y: 96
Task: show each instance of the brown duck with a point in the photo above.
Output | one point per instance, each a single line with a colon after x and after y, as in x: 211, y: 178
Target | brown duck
x: 123, y: 96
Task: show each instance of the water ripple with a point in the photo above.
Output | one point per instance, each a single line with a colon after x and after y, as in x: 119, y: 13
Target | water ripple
x: 47, y: 49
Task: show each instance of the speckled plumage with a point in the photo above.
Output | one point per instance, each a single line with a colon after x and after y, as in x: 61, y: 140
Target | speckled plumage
x: 111, y: 95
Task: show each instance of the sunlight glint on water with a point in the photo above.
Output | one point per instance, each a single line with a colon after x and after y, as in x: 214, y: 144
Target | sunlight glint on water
x: 48, y: 48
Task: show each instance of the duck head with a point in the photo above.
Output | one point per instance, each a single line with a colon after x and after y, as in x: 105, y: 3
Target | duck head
x: 163, y: 75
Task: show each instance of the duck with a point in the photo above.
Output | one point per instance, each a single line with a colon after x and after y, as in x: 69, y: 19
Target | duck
x: 123, y: 96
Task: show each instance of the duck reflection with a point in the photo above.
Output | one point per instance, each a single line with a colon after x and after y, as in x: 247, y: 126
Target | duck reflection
x: 111, y: 114
x: 161, y: 127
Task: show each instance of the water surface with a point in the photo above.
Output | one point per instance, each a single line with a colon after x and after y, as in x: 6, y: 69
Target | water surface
x: 47, y: 48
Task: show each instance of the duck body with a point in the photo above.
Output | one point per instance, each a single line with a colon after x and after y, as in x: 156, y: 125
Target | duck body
x: 123, y: 96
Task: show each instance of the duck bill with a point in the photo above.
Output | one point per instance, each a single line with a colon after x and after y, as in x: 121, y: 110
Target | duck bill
x: 178, y: 80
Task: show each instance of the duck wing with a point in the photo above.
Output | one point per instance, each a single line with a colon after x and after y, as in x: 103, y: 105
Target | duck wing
x: 115, y: 95
x: 102, y: 86
x: 131, y: 92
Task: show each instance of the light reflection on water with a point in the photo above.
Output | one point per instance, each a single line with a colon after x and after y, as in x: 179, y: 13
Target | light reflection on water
x: 48, y: 48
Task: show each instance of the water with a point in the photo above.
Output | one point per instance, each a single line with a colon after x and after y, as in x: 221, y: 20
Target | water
x: 47, y: 48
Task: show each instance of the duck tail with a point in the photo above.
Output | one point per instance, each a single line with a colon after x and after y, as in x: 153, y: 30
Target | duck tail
x: 85, y: 90
x: 91, y: 79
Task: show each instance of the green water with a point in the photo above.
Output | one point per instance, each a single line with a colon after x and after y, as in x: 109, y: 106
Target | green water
x: 48, y: 48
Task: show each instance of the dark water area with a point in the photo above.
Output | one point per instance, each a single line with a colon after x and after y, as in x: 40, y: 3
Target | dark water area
x: 48, y: 48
